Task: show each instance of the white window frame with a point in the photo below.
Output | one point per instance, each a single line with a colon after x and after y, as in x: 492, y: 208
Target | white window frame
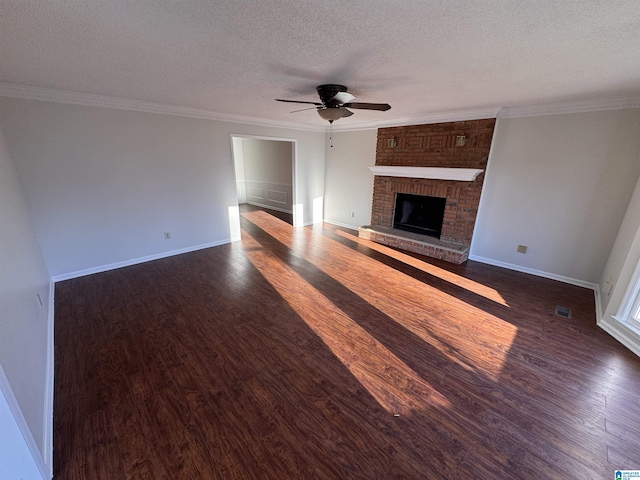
x: 629, y: 310
x: 634, y: 316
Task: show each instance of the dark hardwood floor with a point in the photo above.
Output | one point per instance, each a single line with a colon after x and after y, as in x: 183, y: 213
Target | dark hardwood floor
x: 310, y: 354
x: 286, y: 217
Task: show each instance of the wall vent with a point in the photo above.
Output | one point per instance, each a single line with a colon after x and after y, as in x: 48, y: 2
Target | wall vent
x: 563, y: 311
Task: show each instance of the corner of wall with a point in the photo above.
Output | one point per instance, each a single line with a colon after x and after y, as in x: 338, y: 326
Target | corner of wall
x: 28, y: 441
x: 626, y: 337
x: 598, y: 298
x: 48, y: 404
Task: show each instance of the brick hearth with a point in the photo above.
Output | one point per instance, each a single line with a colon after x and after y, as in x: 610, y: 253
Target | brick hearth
x: 431, y: 146
x: 414, y: 242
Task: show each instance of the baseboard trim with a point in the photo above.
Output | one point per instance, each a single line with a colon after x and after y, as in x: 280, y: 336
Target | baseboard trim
x: 339, y: 224
x: 598, y: 299
x: 622, y: 334
x: 7, y: 391
x: 135, y: 261
x: 538, y: 273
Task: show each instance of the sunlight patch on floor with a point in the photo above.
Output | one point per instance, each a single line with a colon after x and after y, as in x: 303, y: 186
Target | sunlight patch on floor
x: 475, y: 287
x: 429, y: 313
x: 395, y: 386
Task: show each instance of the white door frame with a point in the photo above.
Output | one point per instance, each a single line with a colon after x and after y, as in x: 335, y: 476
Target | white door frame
x: 297, y: 212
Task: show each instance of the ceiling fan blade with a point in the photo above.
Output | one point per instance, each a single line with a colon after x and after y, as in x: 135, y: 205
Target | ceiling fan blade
x: 297, y: 101
x: 369, y: 106
x: 347, y: 113
x: 303, y: 109
x: 342, y: 97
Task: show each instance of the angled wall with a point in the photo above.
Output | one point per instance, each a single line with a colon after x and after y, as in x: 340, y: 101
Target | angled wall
x: 25, y: 355
x: 559, y: 184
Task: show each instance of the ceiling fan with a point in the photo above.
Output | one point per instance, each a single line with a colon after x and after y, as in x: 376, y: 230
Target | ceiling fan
x: 335, y: 103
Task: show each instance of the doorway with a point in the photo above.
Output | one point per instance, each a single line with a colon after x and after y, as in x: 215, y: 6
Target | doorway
x: 265, y: 175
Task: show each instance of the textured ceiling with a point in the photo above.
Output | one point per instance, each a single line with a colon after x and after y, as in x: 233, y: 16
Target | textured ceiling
x: 235, y: 57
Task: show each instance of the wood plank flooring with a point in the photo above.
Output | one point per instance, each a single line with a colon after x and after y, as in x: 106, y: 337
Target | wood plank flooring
x: 311, y: 354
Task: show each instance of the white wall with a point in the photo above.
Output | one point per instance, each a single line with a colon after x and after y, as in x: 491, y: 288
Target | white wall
x: 348, y: 182
x: 238, y: 159
x: 267, y: 160
x: 560, y: 185
x: 624, y: 257
x: 618, y: 274
x: 268, y: 171
x: 24, y: 323
x: 104, y: 184
x: 16, y: 460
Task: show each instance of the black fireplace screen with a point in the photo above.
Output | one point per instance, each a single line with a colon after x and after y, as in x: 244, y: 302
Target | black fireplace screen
x: 419, y: 214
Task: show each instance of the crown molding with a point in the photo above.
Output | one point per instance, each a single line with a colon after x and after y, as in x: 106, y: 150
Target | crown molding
x: 558, y: 108
x: 576, y: 106
x: 60, y: 96
x: 89, y: 100
x: 439, y: 117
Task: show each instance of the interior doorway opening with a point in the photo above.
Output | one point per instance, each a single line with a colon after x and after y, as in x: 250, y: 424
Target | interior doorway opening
x: 266, y: 175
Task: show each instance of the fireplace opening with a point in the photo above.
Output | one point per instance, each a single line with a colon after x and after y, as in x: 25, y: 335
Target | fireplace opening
x: 419, y: 214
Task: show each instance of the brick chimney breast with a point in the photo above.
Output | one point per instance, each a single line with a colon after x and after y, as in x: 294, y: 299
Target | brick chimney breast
x: 433, y: 145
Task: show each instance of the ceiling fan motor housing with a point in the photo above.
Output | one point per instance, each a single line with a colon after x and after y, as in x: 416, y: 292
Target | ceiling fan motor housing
x: 327, y: 92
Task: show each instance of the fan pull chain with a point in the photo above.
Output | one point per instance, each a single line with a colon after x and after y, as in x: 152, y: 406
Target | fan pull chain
x: 331, y: 133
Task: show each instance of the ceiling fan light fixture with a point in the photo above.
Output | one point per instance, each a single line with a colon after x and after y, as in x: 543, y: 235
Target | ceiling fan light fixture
x: 331, y: 113
x: 336, y: 103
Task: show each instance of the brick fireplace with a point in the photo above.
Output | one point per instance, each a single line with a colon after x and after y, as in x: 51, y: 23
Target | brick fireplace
x: 434, y: 146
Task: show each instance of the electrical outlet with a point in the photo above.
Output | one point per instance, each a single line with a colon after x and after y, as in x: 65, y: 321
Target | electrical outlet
x: 167, y: 235
x: 353, y: 214
x: 522, y: 249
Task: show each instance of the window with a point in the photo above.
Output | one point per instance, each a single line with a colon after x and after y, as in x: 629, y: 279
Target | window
x: 634, y: 316
x: 629, y: 311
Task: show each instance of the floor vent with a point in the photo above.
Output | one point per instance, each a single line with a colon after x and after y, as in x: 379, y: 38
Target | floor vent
x: 563, y: 311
